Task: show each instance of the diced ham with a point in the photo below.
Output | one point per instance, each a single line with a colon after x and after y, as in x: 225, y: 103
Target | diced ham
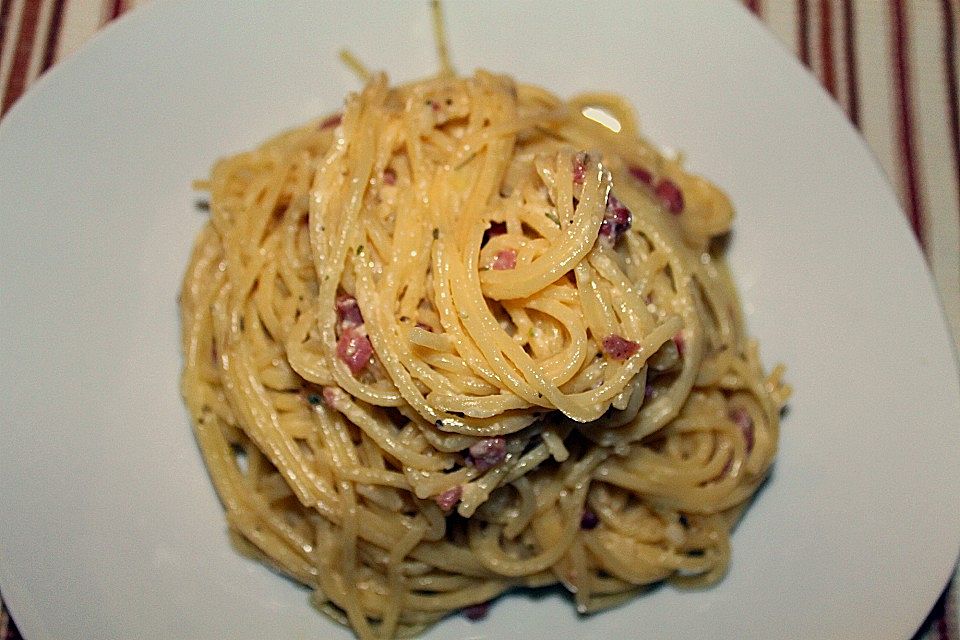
x: 619, y: 348
x: 641, y: 174
x: 487, y: 453
x: 589, y: 520
x: 477, y: 611
x: 348, y: 312
x: 743, y: 420
x: 331, y: 121
x: 670, y: 195
x: 389, y: 176
x: 330, y: 395
x: 354, y: 349
x: 449, y: 498
x: 680, y: 342
x: 616, y: 221
x: 579, y: 167
x: 506, y: 259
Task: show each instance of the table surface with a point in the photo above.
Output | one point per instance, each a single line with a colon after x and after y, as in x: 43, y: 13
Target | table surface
x: 891, y: 65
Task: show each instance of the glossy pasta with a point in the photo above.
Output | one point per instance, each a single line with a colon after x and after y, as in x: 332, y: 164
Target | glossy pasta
x: 462, y: 338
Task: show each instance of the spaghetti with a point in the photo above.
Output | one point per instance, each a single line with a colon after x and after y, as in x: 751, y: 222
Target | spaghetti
x: 461, y: 338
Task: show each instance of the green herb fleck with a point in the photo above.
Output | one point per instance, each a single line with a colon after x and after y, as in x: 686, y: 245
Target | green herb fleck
x: 553, y: 216
x: 313, y: 399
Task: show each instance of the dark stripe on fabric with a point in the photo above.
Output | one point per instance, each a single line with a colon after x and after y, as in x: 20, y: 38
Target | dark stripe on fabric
x: 826, y: 48
x: 53, y: 34
x: 950, y: 18
x: 803, y: 28
x: 905, y: 120
x: 850, y: 58
x: 17, y: 82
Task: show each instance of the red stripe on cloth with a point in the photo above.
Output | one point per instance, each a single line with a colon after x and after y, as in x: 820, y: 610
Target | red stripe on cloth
x: 803, y: 18
x: 756, y: 6
x: 53, y: 35
x: 953, y: 94
x: 118, y: 8
x: 17, y: 81
x: 905, y: 121
x: 826, y: 48
x: 850, y: 57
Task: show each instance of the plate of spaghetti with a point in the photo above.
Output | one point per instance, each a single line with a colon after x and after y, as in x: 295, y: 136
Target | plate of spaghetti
x: 363, y: 321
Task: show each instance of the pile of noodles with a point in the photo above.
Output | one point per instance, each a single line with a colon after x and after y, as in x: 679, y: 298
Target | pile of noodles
x: 465, y: 337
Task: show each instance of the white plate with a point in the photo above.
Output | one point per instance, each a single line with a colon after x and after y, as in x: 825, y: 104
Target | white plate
x: 109, y: 527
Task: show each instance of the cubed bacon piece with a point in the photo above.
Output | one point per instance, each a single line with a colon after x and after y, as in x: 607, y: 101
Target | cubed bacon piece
x: 743, y: 420
x: 579, y: 167
x: 680, y: 342
x: 389, y: 176
x: 616, y: 221
x: 331, y: 121
x: 330, y: 396
x: 619, y: 348
x: 477, y: 611
x: 589, y: 520
x: 449, y: 498
x: 506, y: 259
x: 487, y: 453
x: 354, y: 349
x: 670, y: 195
x: 348, y: 312
x: 641, y: 174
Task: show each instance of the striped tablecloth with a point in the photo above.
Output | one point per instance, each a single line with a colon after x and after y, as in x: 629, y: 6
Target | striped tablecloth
x: 892, y: 66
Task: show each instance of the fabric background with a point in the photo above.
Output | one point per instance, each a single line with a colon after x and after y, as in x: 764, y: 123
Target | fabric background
x: 891, y: 65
